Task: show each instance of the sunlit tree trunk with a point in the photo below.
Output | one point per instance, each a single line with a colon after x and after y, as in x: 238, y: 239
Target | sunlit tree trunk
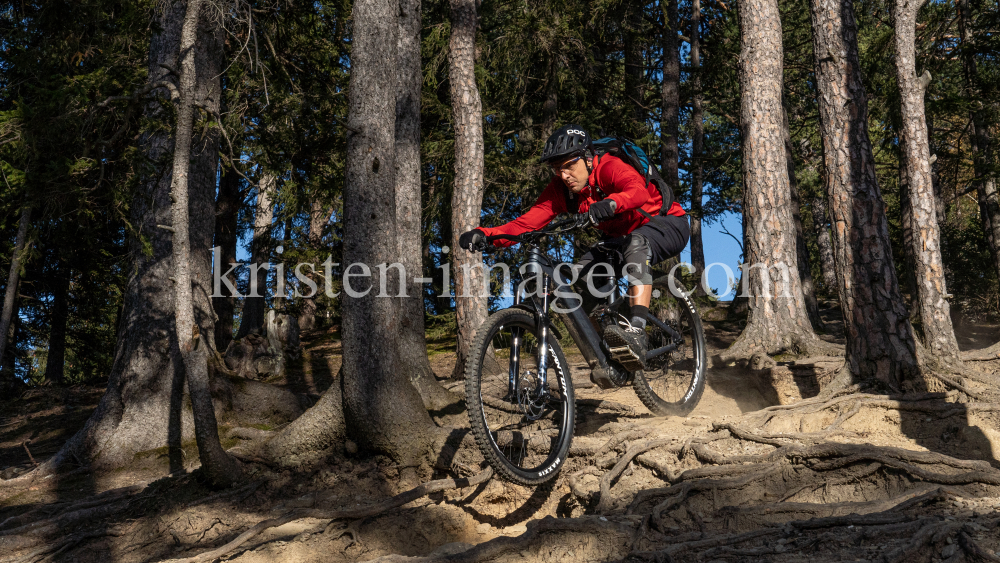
x: 382, y: 410
x: 319, y: 216
x: 777, y: 320
x: 821, y: 223
x: 880, y: 345
x: 935, y: 317
x: 670, y: 95
x: 697, y: 143
x: 191, y: 345
x: 412, y: 340
x: 254, y: 308
x: 801, y: 252
x: 143, y: 407
x: 467, y: 194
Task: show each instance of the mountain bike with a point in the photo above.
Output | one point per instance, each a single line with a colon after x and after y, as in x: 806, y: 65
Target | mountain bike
x: 518, y: 388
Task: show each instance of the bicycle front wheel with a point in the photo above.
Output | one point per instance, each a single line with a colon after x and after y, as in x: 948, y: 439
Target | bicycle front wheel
x: 673, y: 383
x: 522, y: 427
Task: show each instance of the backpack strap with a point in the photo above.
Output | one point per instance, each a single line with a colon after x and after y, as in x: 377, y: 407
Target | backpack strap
x: 603, y: 195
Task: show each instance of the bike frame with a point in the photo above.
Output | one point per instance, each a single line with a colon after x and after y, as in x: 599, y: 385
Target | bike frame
x: 539, y: 265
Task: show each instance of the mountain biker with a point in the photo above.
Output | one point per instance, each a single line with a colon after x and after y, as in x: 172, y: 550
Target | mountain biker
x: 623, y: 206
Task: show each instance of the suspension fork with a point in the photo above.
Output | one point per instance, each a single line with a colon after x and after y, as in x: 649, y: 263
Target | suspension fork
x: 514, y: 362
x: 543, y: 331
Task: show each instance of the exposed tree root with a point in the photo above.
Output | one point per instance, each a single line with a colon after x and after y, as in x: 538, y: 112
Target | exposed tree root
x: 352, y: 513
x: 22, y: 535
x: 630, y: 454
x: 972, y: 549
x: 52, y: 550
x: 984, y: 355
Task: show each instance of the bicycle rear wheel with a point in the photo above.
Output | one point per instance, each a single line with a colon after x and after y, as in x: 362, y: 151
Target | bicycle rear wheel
x: 524, y: 435
x: 672, y: 384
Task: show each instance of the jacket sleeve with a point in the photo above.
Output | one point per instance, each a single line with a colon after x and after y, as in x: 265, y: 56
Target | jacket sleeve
x: 624, y: 185
x: 552, y: 202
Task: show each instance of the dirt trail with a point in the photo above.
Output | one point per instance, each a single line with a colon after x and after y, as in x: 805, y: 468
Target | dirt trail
x: 741, y: 478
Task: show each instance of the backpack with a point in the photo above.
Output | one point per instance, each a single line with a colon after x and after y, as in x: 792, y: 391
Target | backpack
x: 631, y: 154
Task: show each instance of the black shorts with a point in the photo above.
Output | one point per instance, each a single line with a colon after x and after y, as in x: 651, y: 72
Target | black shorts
x: 632, y: 255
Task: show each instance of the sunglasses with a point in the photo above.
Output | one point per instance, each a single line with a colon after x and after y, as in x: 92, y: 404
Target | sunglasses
x: 557, y: 168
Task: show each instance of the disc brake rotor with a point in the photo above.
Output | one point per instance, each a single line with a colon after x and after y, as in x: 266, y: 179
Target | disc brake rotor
x: 531, y: 405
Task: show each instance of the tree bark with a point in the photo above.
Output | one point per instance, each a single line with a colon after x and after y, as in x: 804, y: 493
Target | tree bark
x: 777, y: 320
x: 56, y: 358
x: 982, y: 154
x: 318, y: 218
x: 13, y: 280
x: 880, y: 345
x: 191, y: 348
x: 382, y: 410
x: 801, y: 252
x: 821, y: 222
x: 909, y: 276
x: 935, y: 317
x: 143, y: 406
x: 467, y: 194
x: 632, y: 41
x: 227, y: 207
x: 669, y: 120
x: 697, y: 143
x: 254, y: 307
x: 412, y: 339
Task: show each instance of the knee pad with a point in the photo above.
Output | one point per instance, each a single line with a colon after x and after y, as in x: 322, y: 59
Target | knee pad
x: 637, y: 268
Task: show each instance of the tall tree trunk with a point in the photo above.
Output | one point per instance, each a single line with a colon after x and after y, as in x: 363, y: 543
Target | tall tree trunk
x: 382, y: 410
x: 982, y: 154
x: 697, y: 143
x: 227, y: 207
x: 777, y: 320
x: 801, y: 252
x: 191, y: 347
x: 935, y: 317
x: 633, y: 42
x: 318, y: 218
x: 909, y: 276
x: 467, y: 194
x: 412, y: 339
x: 880, y: 343
x: 670, y: 96
x: 255, y: 307
x: 13, y: 279
x: 821, y: 222
x: 143, y: 407
x: 56, y: 359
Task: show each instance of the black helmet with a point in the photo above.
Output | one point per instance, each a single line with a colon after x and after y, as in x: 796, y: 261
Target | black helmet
x: 568, y: 140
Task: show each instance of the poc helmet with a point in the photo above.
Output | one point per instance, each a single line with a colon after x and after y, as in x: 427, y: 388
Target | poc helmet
x: 568, y: 140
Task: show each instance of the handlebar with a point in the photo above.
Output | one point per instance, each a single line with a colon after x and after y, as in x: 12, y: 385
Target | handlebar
x: 573, y: 222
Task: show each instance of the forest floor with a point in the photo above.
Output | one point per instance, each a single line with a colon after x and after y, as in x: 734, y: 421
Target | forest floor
x: 743, y: 478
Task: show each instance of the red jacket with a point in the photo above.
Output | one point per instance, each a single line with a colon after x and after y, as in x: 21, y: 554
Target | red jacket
x: 619, y: 182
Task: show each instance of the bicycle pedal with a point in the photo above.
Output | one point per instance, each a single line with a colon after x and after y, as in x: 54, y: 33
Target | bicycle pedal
x: 627, y: 358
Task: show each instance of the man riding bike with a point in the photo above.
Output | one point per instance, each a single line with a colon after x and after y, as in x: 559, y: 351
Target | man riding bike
x: 622, y: 205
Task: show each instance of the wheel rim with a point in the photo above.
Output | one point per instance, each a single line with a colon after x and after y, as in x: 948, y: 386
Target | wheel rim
x: 524, y: 429
x: 673, y: 377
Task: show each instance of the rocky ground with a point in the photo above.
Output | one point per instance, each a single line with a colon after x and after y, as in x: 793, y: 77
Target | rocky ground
x: 760, y: 471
